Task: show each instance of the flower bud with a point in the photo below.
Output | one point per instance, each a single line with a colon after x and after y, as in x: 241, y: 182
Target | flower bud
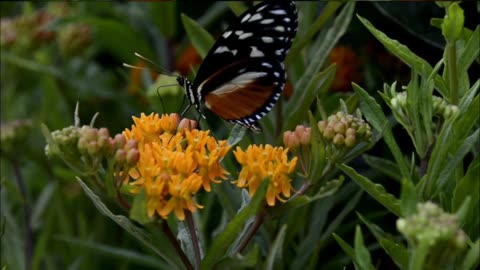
x: 133, y: 155
x: 339, y: 127
x: 339, y: 139
x: 329, y: 133
x: 290, y: 140
x: 350, y: 140
x: 306, y: 136
x: 119, y: 141
x: 187, y: 124
x: 120, y: 156
x: 321, y: 126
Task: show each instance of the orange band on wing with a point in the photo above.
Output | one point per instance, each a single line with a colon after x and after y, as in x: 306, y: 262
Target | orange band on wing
x: 241, y: 103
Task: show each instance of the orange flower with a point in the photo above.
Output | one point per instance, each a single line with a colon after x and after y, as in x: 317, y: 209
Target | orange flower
x: 266, y: 163
x: 173, y: 167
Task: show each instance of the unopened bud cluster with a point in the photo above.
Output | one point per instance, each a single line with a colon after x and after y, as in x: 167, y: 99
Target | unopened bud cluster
x: 74, y: 38
x: 13, y: 134
x: 345, y: 130
x: 431, y: 225
x: 73, y: 143
x: 300, y: 136
x: 440, y: 106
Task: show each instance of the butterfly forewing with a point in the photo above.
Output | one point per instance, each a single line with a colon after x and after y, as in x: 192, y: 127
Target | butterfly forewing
x: 243, y: 74
x: 264, y: 31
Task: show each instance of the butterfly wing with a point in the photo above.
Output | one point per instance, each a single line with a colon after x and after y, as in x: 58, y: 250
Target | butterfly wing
x: 246, y: 64
x: 245, y: 91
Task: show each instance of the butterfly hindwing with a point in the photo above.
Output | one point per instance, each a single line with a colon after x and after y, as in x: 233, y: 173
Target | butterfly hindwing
x: 249, y: 90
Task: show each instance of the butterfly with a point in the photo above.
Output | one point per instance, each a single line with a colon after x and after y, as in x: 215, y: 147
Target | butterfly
x: 243, y: 74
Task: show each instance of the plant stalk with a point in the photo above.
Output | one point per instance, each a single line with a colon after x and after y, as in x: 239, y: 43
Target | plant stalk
x: 195, y: 241
x: 171, y: 237
x: 452, y: 72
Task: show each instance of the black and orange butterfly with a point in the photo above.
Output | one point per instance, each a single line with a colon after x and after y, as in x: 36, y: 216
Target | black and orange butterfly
x: 243, y: 74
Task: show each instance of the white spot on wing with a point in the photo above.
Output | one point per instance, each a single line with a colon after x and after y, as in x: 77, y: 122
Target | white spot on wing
x: 238, y: 32
x: 255, y: 17
x: 278, y: 12
x: 267, y: 21
x: 246, y: 35
x: 261, y: 8
x: 256, y: 52
x: 247, y: 16
x: 221, y: 49
x: 267, y: 39
x: 280, y: 28
x: 265, y: 64
x: 227, y: 34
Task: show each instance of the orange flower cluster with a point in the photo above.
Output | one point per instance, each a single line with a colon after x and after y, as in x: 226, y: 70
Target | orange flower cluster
x: 270, y: 163
x: 174, y: 166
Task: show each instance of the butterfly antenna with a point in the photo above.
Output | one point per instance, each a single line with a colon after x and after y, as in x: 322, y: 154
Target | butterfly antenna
x: 158, y: 67
x: 186, y: 109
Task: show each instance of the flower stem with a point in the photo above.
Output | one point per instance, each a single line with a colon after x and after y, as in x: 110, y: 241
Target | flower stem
x: 193, y: 235
x: 251, y: 232
x: 168, y: 232
x: 27, y: 212
x: 452, y: 72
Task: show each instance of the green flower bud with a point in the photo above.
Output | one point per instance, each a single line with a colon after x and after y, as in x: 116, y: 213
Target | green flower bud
x: 339, y: 139
x: 329, y: 133
x: 339, y: 127
x: 321, y: 126
x: 350, y: 141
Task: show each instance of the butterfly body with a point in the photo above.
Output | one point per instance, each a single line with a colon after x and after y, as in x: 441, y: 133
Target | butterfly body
x: 242, y: 76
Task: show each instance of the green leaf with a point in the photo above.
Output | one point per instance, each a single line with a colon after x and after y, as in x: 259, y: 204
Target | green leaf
x: 98, y: 249
x: 327, y: 12
x: 138, y: 212
x: 201, y: 40
x: 334, y: 33
x: 398, y: 252
x: 166, y: 253
x: 237, y: 7
x: 452, y: 24
x: 384, y: 166
x: 470, y: 52
x: 377, y: 191
x: 456, y: 159
x: 406, y: 55
x: 164, y: 16
x: 318, y: 160
x: 275, y: 253
x: 453, y: 134
x: 345, y: 246
x: 362, y: 254
x: 408, y: 198
x: 41, y: 204
x: 328, y: 189
x: 469, y: 186
x: 375, y: 117
x: 472, y: 259
x: 236, y: 135
x: 118, y: 38
x: 298, y: 106
x: 221, y: 243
